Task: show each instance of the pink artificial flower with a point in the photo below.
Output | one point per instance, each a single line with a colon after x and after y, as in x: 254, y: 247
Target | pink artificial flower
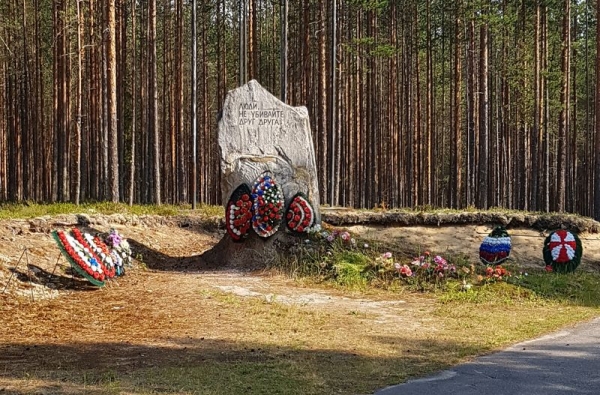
x: 386, y: 255
x: 439, y: 260
x: 345, y: 236
x: 405, y: 271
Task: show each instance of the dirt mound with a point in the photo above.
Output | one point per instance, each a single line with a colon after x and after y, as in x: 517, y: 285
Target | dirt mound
x: 541, y: 222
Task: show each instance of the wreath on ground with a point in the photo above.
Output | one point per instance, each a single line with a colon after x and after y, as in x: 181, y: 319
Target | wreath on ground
x: 496, y: 247
x: 562, y: 251
x: 81, y: 257
x: 91, y: 257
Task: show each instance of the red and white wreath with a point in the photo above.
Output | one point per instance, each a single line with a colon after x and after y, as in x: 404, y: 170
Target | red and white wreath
x: 562, y: 251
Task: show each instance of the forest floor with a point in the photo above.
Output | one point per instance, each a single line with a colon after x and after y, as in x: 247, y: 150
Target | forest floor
x: 150, y: 330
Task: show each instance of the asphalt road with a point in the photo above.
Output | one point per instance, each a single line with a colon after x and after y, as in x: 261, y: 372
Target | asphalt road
x: 566, y: 362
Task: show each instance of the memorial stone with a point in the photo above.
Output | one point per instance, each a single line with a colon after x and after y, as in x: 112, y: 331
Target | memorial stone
x: 258, y: 134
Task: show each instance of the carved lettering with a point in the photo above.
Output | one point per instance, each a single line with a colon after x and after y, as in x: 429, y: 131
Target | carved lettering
x: 248, y: 106
x: 251, y: 115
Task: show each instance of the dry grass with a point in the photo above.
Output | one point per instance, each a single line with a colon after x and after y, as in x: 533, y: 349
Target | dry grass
x: 176, y: 333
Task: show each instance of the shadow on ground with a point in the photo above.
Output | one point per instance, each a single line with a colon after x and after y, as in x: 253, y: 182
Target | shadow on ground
x: 198, y: 365
x: 157, y: 260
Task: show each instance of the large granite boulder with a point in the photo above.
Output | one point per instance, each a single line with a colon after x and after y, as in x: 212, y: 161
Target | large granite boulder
x: 258, y: 133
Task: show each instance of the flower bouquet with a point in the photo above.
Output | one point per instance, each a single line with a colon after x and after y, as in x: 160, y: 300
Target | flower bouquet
x: 120, y: 251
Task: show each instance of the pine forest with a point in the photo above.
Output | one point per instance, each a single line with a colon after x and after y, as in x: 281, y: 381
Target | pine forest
x: 429, y: 103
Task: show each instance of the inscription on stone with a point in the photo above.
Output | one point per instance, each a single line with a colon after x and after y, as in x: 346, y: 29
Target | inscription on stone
x: 251, y: 114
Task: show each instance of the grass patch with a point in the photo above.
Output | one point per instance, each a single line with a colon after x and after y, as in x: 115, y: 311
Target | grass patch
x: 32, y: 210
x: 580, y: 288
x: 352, y: 269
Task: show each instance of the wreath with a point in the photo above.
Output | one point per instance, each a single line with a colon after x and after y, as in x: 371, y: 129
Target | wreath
x: 267, y: 205
x: 82, y: 259
x: 238, y: 213
x: 300, y: 215
x: 562, y: 251
x: 496, y: 247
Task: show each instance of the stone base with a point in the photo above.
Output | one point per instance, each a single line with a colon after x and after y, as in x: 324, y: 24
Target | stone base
x: 252, y: 253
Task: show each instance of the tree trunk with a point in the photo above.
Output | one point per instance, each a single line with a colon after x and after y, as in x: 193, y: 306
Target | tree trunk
x: 111, y: 74
x: 597, y: 136
x: 483, y: 117
x: 77, y: 187
x: 563, y: 123
x: 152, y: 102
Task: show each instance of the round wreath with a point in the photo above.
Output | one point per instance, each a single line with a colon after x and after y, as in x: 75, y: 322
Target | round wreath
x: 562, y: 251
x: 267, y: 205
x: 496, y: 247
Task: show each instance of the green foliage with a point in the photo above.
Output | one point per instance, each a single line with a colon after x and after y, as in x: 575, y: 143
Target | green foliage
x: 352, y: 269
x: 370, y: 5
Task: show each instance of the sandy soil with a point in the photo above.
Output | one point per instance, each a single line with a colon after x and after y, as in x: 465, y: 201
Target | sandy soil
x: 526, y: 251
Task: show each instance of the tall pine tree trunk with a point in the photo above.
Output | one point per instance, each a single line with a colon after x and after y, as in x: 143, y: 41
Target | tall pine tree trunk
x: 563, y: 123
x: 111, y: 74
x: 597, y: 136
x: 483, y: 117
x: 152, y: 103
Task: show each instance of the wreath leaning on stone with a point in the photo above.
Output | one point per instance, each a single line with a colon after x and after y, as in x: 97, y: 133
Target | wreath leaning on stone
x: 562, y: 251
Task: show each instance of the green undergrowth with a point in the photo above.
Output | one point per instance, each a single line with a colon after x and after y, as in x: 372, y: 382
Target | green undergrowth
x: 32, y: 210
x: 336, y: 258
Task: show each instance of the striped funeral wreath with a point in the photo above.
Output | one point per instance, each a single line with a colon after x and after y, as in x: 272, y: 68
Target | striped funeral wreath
x: 496, y: 247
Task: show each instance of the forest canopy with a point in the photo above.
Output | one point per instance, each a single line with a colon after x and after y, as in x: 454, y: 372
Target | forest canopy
x: 412, y: 103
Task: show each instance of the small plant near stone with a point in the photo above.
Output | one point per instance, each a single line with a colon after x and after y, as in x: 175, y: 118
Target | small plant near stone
x: 427, y: 271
